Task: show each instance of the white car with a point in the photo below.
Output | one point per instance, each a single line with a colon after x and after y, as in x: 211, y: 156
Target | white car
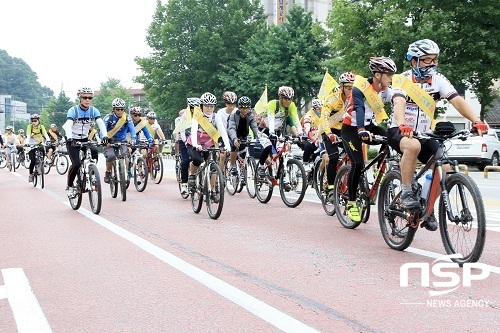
x: 476, y: 150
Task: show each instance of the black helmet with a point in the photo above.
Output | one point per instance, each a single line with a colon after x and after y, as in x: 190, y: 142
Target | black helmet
x: 244, y: 102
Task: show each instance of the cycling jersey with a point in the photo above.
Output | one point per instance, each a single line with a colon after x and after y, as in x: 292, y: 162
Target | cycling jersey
x: 335, y: 104
x: 81, y: 121
x: 225, y: 116
x: 278, y: 119
x: 199, y: 137
x: 437, y: 86
x: 358, y: 112
x: 111, y: 120
x: 36, y: 134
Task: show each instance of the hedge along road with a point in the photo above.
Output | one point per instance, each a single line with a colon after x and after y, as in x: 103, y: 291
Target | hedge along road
x: 151, y: 264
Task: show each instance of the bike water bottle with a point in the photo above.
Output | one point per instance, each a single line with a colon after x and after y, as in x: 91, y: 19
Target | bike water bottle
x: 427, y: 185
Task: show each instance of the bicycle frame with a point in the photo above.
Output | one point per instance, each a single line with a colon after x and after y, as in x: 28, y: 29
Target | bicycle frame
x: 281, y: 158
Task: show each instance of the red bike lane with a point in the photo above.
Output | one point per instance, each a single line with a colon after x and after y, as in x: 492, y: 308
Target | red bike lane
x: 299, y: 262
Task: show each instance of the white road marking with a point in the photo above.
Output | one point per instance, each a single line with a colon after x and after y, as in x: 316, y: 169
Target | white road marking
x: 27, y: 311
x: 262, y: 310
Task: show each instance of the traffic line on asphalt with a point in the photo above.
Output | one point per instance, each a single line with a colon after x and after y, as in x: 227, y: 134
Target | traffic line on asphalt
x: 493, y: 269
x: 262, y: 310
x: 27, y: 312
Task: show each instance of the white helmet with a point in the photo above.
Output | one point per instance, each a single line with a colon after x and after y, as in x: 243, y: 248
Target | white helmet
x: 208, y: 99
x: 85, y: 90
x: 229, y: 97
x: 422, y: 47
x: 193, y: 101
x: 151, y: 115
x: 118, y: 103
x: 317, y: 103
x: 53, y: 126
x: 286, y: 92
x: 9, y: 128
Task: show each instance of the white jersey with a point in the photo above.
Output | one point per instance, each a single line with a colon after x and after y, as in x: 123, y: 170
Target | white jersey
x: 437, y: 86
x: 225, y: 116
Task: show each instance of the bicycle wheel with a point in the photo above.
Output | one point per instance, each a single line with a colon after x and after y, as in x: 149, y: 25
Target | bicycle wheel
x: 62, y: 164
x: 123, y: 179
x: 157, y: 169
x: 10, y: 164
x: 250, y: 172
x: 292, y: 197
x: 327, y: 197
x: 140, y: 174
x: 341, y: 198
x: 197, y: 193
x: 241, y: 177
x: 47, y: 165
x: 467, y: 232
x: 113, y: 181
x: 41, y: 174
x: 18, y: 161
x: 393, y: 220
x: 95, y: 192
x: 264, y: 185
x: 232, y: 181
x: 75, y: 201
x: 26, y: 160
x: 316, y: 179
x: 215, y: 191
x: 3, y: 160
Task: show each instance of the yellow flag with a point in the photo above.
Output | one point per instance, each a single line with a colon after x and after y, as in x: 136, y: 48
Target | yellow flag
x: 261, y: 106
x: 327, y: 86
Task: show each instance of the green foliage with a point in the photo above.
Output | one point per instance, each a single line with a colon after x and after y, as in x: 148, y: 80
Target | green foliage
x: 192, y: 39
x: 467, y: 32
x: 17, y: 79
x: 56, y: 111
x: 108, y: 91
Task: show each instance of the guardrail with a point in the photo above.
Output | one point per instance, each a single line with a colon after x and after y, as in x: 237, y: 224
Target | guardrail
x: 490, y: 168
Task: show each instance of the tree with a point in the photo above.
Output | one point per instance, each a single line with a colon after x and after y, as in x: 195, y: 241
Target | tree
x: 287, y: 55
x: 17, y: 79
x: 56, y: 110
x: 108, y: 91
x: 465, y: 30
x: 192, y: 40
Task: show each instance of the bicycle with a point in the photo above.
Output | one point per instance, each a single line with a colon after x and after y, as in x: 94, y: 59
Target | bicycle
x: 119, y: 172
x: 282, y: 166
x: 3, y: 159
x: 154, y: 162
x: 13, y: 164
x: 366, y: 193
x: 58, y: 159
x: 209, y: 184
x: 245, y: 176
x: 38, y: 169
x: 87, y: 180
x: 140, y: 169
x: 462, y: 219
x: 178, y: 177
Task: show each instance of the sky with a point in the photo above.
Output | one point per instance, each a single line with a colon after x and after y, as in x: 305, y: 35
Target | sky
x: 71, y: 44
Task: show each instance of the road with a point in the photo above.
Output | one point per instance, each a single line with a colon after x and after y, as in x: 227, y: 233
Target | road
x: 152, y: 265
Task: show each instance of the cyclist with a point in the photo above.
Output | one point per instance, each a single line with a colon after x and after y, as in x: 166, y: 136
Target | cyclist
x: 118, y: 124
x: 313, y: 125
x: 76, y: 127
x: 358, y: 126
x: 229, y: 99
x: 140, y: 126
x: 281, y: 113
x: 35, y: 134
x: 184, y: 130
x: 153, y: 127
x: 201, y: 125
x: 55, y: 137
x: 240, y: 123
x: 94, y: 133
x: 11, y: 142
x: 21, y: 138
x: 408, y: 117
x: 335, y: 108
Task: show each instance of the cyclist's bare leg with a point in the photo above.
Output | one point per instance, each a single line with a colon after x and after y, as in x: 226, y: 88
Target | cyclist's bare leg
x: 233, y: 158
x: 410, y: 149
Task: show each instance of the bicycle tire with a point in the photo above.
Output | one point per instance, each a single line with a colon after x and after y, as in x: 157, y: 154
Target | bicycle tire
x: 62, y: 164
x: 158, y: 174
x: 316, y: 181
x: 250, y: 172
x: 3, y: 160
x: 197, y: 194
x: 13, y: 162
x: 47, y: 167
x: 113, y: 181
x: 18, y: 161
x: 123, y: 180
x: 327, y: 198
x: 41, y: 174
x: 76, y: 201
x: 140, y: 174
x: 232, y: 182
x: 450, y: 230
x: 214, y: 194
x: 297, y: 178
x: 394, y: 226
x: 363, y: 198
x: 341, y: 198
x: 264, y: 186
x: 95, y: 191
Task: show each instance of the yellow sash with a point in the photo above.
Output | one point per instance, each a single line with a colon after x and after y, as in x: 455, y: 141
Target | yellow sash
x: 319, y: 122
x: 185, y: 123
x: 119, y: 124
x: 54, y: 136
x: 21, y: 139
x: 206, y: 125
x: 140, y: 125
x: 372, y: 97
x: 421, y: 97
x: 150, y: 129
x: 92, y: 134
